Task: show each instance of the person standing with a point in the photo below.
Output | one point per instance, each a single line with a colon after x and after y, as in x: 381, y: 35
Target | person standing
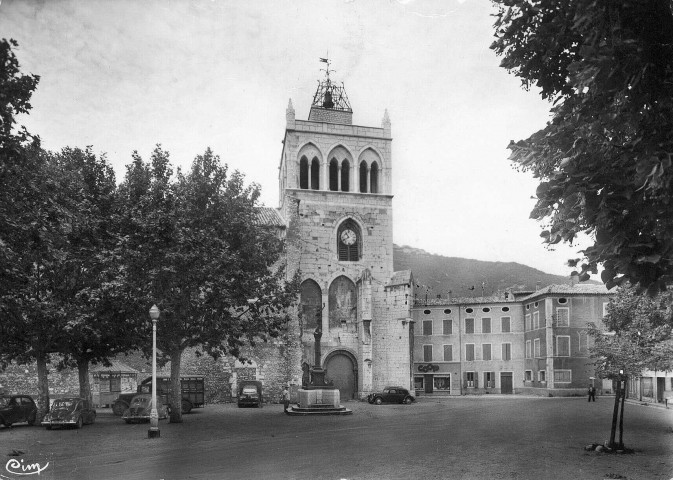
x: 592, y: 393
x: 286, y: 399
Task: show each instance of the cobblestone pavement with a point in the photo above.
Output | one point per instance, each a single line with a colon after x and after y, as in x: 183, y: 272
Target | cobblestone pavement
x: 486, y: 437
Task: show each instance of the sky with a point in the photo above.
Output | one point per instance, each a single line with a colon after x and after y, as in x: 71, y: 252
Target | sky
x: 125, y: 75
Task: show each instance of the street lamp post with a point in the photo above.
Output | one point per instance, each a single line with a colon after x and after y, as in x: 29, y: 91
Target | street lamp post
x: 154, y: 432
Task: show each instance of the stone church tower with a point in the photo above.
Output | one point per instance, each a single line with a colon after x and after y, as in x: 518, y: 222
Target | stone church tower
x: 336, y: 203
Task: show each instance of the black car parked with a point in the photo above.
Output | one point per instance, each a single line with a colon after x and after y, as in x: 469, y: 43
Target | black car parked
x: 17, y: 408
x: 391, y: 395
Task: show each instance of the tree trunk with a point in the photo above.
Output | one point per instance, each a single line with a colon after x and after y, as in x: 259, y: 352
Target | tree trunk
x: 615, y: 413
x: 84, y: 385
x: 621, y: 418
x: 176, y: 388
x: 42, y: 387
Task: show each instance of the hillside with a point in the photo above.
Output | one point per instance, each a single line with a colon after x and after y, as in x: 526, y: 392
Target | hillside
x: 464, y: 277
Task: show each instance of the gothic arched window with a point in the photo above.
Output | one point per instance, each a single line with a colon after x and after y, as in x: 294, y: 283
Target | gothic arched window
x: 363, y: 177
x: 315, y: 174
x: 345, y: 176
x: 334, y: 175
x: 303, y: 173
x: 374, y: 173
x: 349, y: 241
x: 311, y: 305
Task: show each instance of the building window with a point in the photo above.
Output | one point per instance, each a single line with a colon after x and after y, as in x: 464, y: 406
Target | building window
x: 374, y: 180
x: 447, y: 327
x: 486, y: 351
x: 427, y: 353
x: 528, y: 353
x: 427, y: 327
x: 469, y: 310
x: 448, y: 353
x: 562, y: 317
x: 315, y: 174
x: 447, y: 311
x: 349, y: 241
x: 505, y: 309
x: 303, y: 173
x: 485, y: 309
x: 469, y: 325
x: 505, y: 324
x: 334, y: 175
x: 562, y: 346
x: 469, y: 352
x: 469, y: 379
x: 345, y: 176
x: 506, y: 351
x: 562, y: 376
x: 542, y: 376
x: 489, y: 379
x: 485, y: 325
x: 562, y: 300
x: 536, y: 348
x: 536, y: 320
x: 418, y: 382
x: 528, y: 375
x: 363, y: 177
x: 442, y: 383
x: 526, y: 322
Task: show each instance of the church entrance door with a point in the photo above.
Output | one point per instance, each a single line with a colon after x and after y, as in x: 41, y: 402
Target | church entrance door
x: 341, y: 370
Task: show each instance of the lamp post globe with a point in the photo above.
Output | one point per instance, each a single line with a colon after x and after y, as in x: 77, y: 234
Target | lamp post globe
x: 154, y: 432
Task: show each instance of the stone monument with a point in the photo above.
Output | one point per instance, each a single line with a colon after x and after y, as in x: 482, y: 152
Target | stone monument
x: 317, y: 396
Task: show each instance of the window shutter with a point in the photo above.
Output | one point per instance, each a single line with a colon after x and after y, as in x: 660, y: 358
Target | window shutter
x: 493, y: 379
x: 476, y: 380
x: 464, y: 379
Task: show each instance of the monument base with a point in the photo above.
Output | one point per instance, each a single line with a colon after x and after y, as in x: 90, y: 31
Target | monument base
x: 319, y: 401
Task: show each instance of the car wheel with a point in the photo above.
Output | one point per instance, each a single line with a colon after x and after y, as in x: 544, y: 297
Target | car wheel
x: 378, y: 400
x: 118, y: 408
x: 407, y: 400
x: 186, y: 406
x: 31, y: 417
x: 93, y: 418
x: 79, y: 423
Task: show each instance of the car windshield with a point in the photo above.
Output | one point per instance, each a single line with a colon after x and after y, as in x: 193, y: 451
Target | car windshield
x: 141, y: 401
x: 63, y: 403
x: 4, y: 401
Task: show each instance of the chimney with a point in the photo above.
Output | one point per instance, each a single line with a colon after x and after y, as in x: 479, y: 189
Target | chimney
x: 537, y: 285
x: 574, y: 278
x: 448, y: 296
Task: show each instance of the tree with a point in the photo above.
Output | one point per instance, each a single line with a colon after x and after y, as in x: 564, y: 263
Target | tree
x: 604, y: 160
x: 639, y: 337
x: 193, y: 246
x: 32, y: 227
x: 95, y: 327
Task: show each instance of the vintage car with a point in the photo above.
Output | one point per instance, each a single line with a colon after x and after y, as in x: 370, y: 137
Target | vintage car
x: 122, y: 402
x: 140, y: 408
x: 17, y: 408
x: 69, y: 412
x: 391, y: 395
x: 250, y: 394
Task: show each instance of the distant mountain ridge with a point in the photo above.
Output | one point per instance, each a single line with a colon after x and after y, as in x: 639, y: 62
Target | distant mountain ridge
x: 467, y: 277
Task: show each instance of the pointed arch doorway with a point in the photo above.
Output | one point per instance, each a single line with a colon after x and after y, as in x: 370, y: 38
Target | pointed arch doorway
x: 342, y: 369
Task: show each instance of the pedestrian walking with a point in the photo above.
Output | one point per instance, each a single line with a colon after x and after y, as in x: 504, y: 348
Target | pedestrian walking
x: 592, y: 393
x: 286, y: 399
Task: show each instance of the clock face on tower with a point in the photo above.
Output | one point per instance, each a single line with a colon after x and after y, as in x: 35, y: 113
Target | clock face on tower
x: 348, y: 237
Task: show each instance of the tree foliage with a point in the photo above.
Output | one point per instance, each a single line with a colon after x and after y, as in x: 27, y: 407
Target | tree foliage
x: 192, y: 246
x: 636, y: 336
x: 604, y: 160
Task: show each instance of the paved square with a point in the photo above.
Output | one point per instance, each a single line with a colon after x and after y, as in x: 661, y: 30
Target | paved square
x: 486, y: 437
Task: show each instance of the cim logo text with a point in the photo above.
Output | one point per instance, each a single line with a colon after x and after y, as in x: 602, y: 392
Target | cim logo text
x: 16, y: 467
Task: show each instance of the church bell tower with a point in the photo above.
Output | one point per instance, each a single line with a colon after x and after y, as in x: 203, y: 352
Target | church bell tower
x: 335, y: 183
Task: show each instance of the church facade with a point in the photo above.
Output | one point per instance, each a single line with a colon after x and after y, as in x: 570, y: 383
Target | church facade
x: 335, y: 185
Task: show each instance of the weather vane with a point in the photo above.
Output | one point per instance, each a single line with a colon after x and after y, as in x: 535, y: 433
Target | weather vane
x: 327, y: 70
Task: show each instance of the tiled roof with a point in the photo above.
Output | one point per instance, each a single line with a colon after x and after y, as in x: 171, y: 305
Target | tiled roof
x: 116, y: 366
x: 420, y: 300
x: 400, y: 278
x: 578, y: 289
x: 270, y: 217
